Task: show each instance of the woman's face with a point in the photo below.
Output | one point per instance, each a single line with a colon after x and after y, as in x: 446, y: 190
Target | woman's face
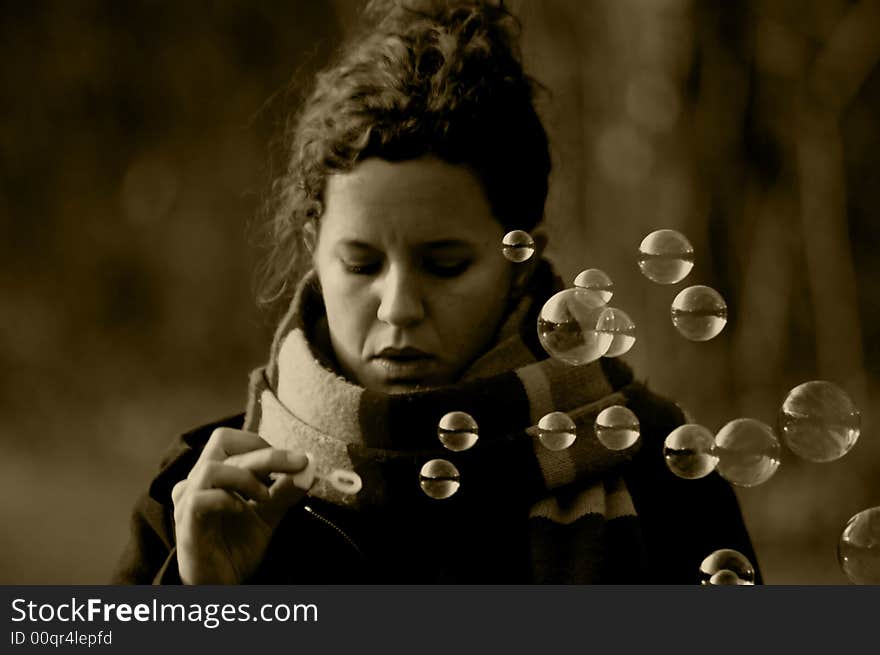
x: 410, y: 265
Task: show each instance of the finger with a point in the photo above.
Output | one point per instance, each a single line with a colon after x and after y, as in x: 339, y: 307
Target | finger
x: 178, y: 490
x: 220, y: 475
x: 270, y: 460
x: 284, y: 493
x: 228, y: 441
x: 209, y: 502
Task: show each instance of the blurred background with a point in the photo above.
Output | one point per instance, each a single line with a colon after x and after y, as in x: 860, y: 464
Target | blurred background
x: 134, y: 141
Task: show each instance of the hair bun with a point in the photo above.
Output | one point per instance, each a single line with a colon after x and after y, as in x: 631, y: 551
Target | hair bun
x: 462, y: 17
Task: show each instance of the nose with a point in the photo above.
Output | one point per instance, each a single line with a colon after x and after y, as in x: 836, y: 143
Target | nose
x: 400, y: 298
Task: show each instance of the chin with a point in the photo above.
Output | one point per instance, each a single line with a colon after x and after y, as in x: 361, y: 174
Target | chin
x: 402, y: 387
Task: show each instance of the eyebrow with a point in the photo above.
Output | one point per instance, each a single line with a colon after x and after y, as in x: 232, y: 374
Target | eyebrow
x: 440, y: 244
x: 446, y: 243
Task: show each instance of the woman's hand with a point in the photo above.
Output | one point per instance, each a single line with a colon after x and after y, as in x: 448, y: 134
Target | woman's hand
x: 225, y: 512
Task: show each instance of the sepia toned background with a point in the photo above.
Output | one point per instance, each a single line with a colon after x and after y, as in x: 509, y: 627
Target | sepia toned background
x: 134, y: 155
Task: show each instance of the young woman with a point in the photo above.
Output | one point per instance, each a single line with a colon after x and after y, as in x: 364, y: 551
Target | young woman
x: 414, y: 155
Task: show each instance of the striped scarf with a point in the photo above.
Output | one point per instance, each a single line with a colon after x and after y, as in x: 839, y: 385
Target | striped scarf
x: 580, y: 514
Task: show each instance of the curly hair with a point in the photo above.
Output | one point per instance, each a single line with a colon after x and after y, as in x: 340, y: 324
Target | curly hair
x: 444, y: 80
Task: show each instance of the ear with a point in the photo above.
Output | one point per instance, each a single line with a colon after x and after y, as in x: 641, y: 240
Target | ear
x: 522, y: 273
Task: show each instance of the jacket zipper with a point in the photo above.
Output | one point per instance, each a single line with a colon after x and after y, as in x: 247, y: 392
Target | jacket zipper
x: 336, y: 528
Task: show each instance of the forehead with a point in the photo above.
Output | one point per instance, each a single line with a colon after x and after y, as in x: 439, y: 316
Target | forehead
x: 412, y: 201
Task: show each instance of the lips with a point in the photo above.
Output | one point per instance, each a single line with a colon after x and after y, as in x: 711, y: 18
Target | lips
x: 403, y: 365
x: 403, y: 354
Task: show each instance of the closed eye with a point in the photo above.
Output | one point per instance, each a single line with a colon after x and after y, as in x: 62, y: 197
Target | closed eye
x: 443, y: 268
x: 362, y: 268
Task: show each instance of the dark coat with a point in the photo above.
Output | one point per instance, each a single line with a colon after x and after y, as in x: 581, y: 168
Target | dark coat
x: 681, y: 521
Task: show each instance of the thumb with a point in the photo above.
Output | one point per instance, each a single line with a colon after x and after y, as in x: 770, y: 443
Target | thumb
x: 283, y: 494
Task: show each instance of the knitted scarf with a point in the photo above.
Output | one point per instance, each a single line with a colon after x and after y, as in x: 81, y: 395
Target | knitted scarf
x: 580, y: 515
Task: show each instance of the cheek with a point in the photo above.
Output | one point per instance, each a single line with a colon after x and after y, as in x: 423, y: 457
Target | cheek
x: 471, y: 312
x: 348, y: 311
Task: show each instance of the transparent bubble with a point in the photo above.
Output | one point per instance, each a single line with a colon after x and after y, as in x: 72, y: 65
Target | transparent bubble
x: 619, y: 325
x: 458, y: 431
x: 617, y: 428
x: 727, y: 566
x: 666, y: 256
x: 747, y: 451
x: 689, y: 451
x: 699, y: 313
x: 568, y: 327
x: 819, y: 422
x: 439, y: 479
x: 859, y: 548
x: 595, y: 280
x: 555, y: 430
x: 518, y: 246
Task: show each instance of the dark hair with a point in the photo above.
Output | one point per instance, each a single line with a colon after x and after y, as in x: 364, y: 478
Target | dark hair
x: 444, y: 80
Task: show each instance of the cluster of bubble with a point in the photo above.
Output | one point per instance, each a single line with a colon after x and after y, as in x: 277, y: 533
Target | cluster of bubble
x: 576, y: 326
x: 699, y: 312
x: 727, y: 567
x: 439, y: 478
x: 615, y: 427
x: 817, y: 421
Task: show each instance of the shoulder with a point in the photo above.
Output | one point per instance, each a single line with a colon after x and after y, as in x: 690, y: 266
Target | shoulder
x: 658, y: 416
x: 682, y: 521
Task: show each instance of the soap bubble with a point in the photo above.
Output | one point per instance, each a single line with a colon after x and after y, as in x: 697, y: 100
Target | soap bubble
x: 727, y: 566
x: 688, y: 451
x: 747, y: 451
x: 593, y: 279
x: 699, y: 313
x: 819, y: 421
x: 725, y: 577
x: 439, y: 479
x: 619, y: 325
x: 457, y: 431
x: 859, y: 548
x: 518, y: 246
x: 555, y: 430
x: 568, y: 327
x: 666, y: 256
x: 617, y: 428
